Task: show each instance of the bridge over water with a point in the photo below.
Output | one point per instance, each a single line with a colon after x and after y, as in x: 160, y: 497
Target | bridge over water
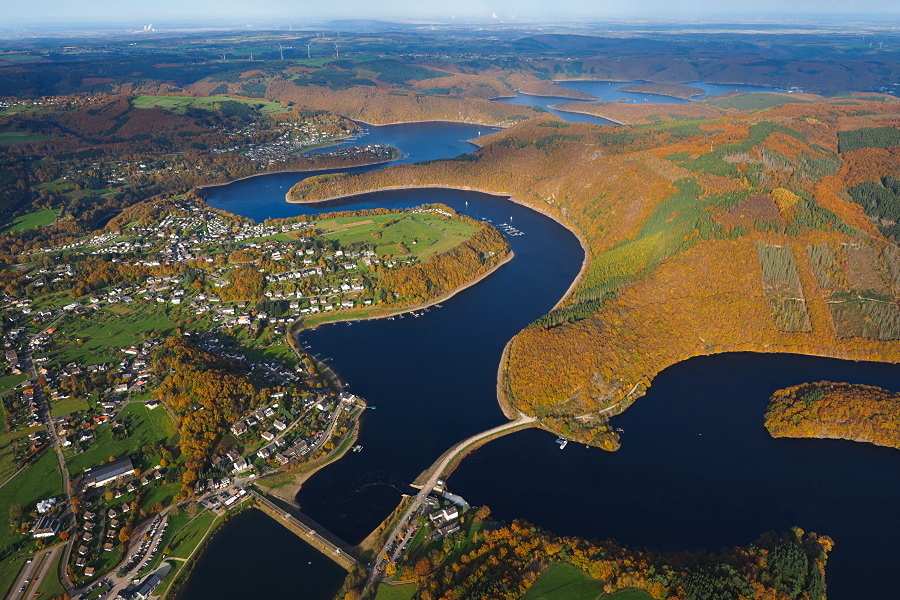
x: 311, y: 532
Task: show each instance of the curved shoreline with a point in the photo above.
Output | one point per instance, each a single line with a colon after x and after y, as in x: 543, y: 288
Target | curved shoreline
x: 300, y: 171
x: 541, y: 210
x: 582, y: 112
x: 422, y: 305
x: 289, y: 491
x: 506, y: 405
x: 426, y: 121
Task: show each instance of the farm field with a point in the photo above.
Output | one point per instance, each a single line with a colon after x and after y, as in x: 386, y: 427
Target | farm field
x: 8, y: 138
x: 564, y: 582
x: 396, y: 592
x: 145, y: 427
x: 8, y: 382
x: 69, y: 405
x: 629, y: 595
x: 32, y: 220
x: 39, y: 481
x: 179, y: 104
x: 430, y: 234
x: 104, y: 332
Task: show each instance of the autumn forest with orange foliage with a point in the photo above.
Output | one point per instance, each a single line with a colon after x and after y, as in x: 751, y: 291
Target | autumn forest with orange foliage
x: 702, y: 236
x: 863, y: 413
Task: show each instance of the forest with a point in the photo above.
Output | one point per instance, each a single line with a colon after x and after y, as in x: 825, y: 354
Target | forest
x: 862, y: 413
x: 710, y: 255
x: 503, y: 561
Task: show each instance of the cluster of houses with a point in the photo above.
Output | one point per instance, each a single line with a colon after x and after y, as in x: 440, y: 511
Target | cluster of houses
x: 295, y: 137
x: 99, y: 523
x: 444, y: 519
x: 329, y: 278
x: 268, y: 426
x: 224, y: 499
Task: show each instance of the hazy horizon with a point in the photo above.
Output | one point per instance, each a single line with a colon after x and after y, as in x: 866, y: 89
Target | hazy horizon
x: 173, y: 13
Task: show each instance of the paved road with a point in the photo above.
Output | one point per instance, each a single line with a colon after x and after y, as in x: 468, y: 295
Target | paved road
x: 32, y: 574
x: 44, y: 403
x: 436, y: 472
x: 137, y: 537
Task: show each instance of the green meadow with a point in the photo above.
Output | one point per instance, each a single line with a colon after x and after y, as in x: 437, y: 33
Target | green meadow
x: 32, y: 220
x: 423, y: 234
x: 179, y: 104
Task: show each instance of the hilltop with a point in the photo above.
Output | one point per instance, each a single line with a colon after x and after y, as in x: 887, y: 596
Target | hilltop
x: 732, y: 232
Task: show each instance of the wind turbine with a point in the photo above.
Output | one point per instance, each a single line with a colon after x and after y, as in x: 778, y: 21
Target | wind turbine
x: 308, y: 55
x: 336, y: 53
x: 280, y: 49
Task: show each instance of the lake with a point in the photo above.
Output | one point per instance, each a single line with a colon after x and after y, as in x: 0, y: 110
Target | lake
x: 255, y: 557
x: 697, y: 469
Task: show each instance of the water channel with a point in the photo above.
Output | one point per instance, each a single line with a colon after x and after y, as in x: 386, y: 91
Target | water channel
x: 697, y: 469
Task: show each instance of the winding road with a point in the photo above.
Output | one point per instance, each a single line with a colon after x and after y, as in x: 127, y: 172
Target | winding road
x: 431, y: 476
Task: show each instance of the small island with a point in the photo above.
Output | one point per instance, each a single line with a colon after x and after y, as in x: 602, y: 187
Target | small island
x: 673, y: 90
x: 848, y: 411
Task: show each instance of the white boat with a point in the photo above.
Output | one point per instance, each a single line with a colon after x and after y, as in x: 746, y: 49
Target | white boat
x: 562, y: 442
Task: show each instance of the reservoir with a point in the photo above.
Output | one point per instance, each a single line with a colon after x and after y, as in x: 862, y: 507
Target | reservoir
x: 288, y: 567
x: 697, y: 468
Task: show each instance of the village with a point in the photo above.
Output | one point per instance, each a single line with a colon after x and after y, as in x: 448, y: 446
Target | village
x: 81, y: 358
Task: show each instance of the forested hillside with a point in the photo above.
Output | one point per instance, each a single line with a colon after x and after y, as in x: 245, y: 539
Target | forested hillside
x: 703, y: 236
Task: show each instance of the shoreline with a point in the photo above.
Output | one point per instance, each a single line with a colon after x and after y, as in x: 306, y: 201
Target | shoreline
x: 541, y: 210
x: 427, y: 121
x: 592, y: 98
x: 288, y: 492
x: 422, y: 305
x: 506, y: 405
x: 590, y: 114
x: 301, y: 171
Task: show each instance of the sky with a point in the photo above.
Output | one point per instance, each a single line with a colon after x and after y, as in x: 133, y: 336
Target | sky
x: 138, y: 13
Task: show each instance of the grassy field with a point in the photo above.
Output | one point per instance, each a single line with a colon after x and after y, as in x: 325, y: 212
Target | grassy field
x: 753, y: 101
x: 69, y: 405
x: 564, y: 582
x: 8, y: 382
x: 7, y: 467
x: 189, y: 536
x: 395, y: 592
x: 160, y: 493
x: 8, y: 138
x: 32, y: 220
x: 9, y: 569
x: 424, y: 234
x: 146, y: 427
x: 178, y: 104
x: 50, y: 586
x: 104, y: 332
x: 629, y: 595
x: 39, y: 481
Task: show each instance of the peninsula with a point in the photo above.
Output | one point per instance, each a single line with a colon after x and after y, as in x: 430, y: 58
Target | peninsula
x: 862, y: 413
x: 679, y: 220
x: 673, y: 90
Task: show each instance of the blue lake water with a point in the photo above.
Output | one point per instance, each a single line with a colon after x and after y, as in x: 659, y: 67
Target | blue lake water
x: 697, y: 468
x: 255, y: 557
